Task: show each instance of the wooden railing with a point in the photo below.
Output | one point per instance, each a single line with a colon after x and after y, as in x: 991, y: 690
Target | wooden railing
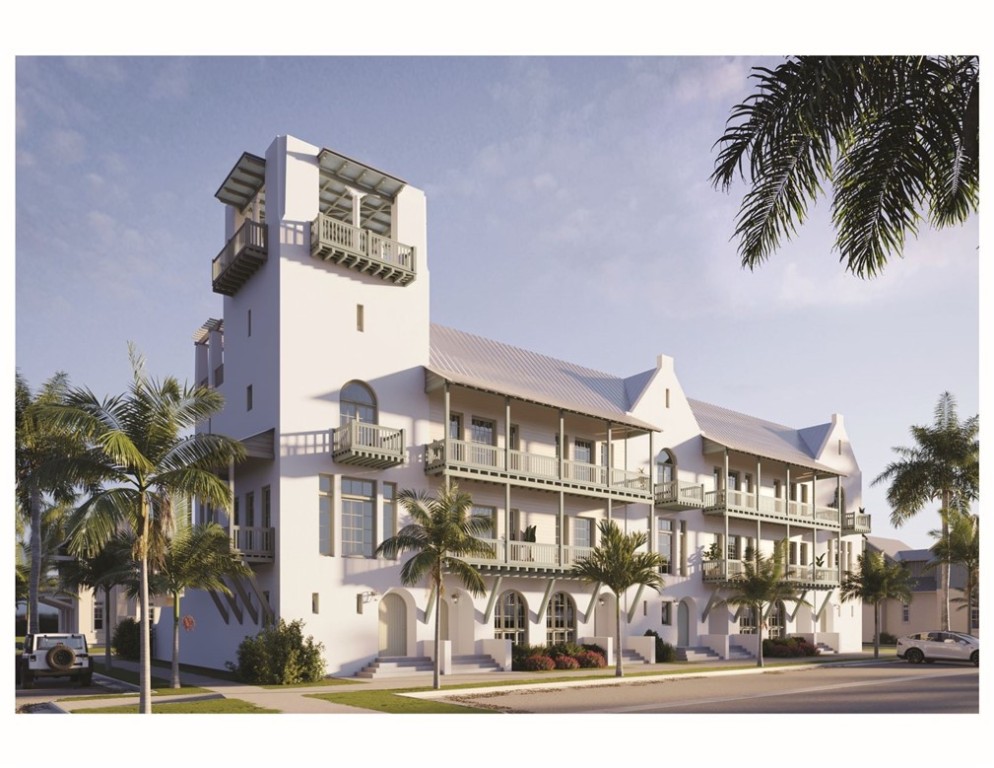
x: 730, y: 570
x: 368, y: 250
x: 250, y: 234
x: 358, y: 434
x: 855, y: 522
x: 253, y: 541
x: 743, y: 502
x: 527, y: 554
x: 676, y: 492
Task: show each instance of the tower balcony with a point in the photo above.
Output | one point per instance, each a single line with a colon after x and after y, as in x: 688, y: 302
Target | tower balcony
x: 368, y: 445
x: 742, y: 504
x: 677, y: 495
x: 240, y: 258
x: 463, y: 458
x: 855, y: 522
x: 362, y: 250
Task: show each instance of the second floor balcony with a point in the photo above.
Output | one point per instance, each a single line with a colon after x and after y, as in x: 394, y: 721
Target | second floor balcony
x: 362, y: 250
x: 743, y: 504
x: 727, y: 572
x: 679, y: 494
x: 368, y: 445
x: 855, y: 522
x: 522, y: 556
x: 240, y: 258
x: 469, y: 459
x: 256, y: 544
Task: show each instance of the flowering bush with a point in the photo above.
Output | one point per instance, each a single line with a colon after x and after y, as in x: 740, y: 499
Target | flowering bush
x: 590, y: 660
x: 788, y: 647
x: 538, y: 663
x: 566, y: 662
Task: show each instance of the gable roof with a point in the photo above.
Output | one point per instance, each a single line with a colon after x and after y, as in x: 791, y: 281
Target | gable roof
x: 756, y: 437
x: 492, y: 366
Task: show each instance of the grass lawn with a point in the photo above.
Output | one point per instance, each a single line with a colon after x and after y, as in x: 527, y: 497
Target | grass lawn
x: 389, y: 701
x: 209, y: 707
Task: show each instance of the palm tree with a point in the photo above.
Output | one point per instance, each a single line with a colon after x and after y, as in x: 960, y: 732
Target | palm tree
x: 139, y: 447
x: 761, y: 586
x: 891, y: 134
x: 877, y: 581
x: 616, y: 563
x: 943, y: 466
x: 441, y: 531
x: 194, y: 557
x: 40, y: 445
x: 960, y: 545
x: 112, y: 565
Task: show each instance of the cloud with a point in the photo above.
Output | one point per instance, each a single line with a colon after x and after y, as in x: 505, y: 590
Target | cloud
x: 97, y: 68
x: 172, y: 81
x: 66, y: 146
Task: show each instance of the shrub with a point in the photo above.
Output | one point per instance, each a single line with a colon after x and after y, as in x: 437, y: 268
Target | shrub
x: 665, y: 653
x: 564, y: 649
x: 566, y: 662
x: 279, y: 655
x: 788, y: 647
x: 538, y: 663
x: 127, y: 640
x: 886, y: 638
x: 591, y: 659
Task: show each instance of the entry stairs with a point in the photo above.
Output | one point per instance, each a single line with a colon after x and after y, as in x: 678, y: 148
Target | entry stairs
x: 398, y: 666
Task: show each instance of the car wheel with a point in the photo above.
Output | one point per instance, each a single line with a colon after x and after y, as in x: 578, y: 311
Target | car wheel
x: 61, y: 657
x: 914, y: 656
x: 975, y: 658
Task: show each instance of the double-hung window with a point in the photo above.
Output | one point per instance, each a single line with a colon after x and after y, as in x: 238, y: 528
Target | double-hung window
x: 358, y: 530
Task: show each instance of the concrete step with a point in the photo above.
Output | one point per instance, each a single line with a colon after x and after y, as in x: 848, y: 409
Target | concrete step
x: 396, y: 666
x: 470, y: 663
x: 696, y: 653
x: 628, y: 656
x: 826, y: 650
x: 738, y: 653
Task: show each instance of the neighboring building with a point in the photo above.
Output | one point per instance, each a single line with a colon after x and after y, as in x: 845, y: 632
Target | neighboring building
x: 344, y: 394
x: 924, y: 611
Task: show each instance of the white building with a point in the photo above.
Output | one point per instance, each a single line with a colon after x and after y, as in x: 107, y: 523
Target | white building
x: 344, y: 394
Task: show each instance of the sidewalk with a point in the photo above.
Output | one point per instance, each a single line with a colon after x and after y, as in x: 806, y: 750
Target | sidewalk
x: 298, y: 700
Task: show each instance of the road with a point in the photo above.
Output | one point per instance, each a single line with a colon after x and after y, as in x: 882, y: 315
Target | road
x: 886, y: 688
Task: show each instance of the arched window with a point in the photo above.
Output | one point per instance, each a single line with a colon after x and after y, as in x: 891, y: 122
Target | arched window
x: 665, y: 467
x: 776, y: 621
x: 509, y: 618
x: 747, y: 620
x: 560, y: 620
x: 357, y: 403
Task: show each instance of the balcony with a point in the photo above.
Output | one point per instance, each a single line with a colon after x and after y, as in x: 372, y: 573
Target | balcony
x: 257, y: 545
x: 480, y: 461
x: 676, y: 495
x: 517, y: 557
x: 368, y: 445
x: 362, y: 250
x: 727, y: 572
x: 854, y: 522
x: 240, y: 258
x: 742, y: 504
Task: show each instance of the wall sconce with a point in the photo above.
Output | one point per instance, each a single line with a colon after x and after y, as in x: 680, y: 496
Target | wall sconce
x: 364, y: 597
x: 455, y: 598
x: 600, y: 600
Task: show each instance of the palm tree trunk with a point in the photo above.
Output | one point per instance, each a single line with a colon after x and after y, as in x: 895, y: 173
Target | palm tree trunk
x: 759, y: 628
x: 34, y: 585
x: 944, y: 570
x: 175, y: 665
x: 876, y: 629
x: 145, y: 673
x: 108, y: 633
x: 617, y: 636
x: 436, y: 673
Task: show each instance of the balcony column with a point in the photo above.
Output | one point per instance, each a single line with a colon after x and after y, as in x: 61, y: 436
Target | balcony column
x: 447, y: 426
x: 786, y: 505
x: 562, y: 527
x: 814, y: 529
x: 608, y: 463
x: 562, y: 446
x: 507, y: 434
x: 842, y: 519
x: 356, y: 207
x: 759, y: 481
x: 507, y: 522
x: 653, y: 545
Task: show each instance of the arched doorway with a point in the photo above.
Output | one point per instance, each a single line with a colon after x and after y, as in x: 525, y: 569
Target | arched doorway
x: 776, y: 621
x: 393, y: 626
x: 510, y: 618
x: 683, y: 624
x: 560, y: 620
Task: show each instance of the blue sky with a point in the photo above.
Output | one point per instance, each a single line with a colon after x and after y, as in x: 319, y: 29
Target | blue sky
x: 569, y: 212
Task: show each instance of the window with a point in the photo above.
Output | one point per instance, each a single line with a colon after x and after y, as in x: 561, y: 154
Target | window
x: 267, y: 520
x: 509, y: 618
x: 583, y: 451
x: 482, y: 431
x: 560, y: 620
x: 666, y: 615
x: 667, y: 397
x: 747, y: 484
x: 250, y: 509
x: 455, y: 426
x: 664, y: 468
x: 359, y: 318
x: 905, y: 613
x: 777, y: 489
x: 314, y: 603
x: 98, y: 615
x: 389, y: 511
x: 358, y: 501
x: 733, y: 481
x: 248, y: 398
x: 249, y: 322
x: 325, y: 528
x: 734, y: 550
x: 683, y: 547
x: 747, y: 620
x: 357, y: 403
x: 664, y: 543
x: 490, y: 515
x: 583, y: 532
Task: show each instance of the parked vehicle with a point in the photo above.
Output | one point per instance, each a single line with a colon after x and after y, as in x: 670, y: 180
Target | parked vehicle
x: 939, y: 646
x: 55, y: 655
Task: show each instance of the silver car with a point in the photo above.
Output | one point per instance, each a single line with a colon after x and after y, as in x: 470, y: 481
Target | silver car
x: 939, y: 646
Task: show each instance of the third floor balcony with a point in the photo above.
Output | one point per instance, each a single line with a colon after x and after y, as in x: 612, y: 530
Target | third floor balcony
x: 368, y: 445
x: 727, y: 572
x: 743, y: 504
x: 240, y: 258
x: 362, y: 250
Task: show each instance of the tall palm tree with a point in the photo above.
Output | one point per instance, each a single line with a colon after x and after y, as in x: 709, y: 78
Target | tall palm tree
x: 101, y: 571
x: 891, y: 134
x: 441, y: 531
x: 960, y: 545
x: 194, y: 557
x: 761, y: 586
x: 877, y: 581
x: 40, y: 446
x: 943, y: 466
x: 616, y: 563
x: 140, y: 447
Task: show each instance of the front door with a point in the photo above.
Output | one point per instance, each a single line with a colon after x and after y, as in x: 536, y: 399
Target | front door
x: 683, y: 624
x: 393, y: 626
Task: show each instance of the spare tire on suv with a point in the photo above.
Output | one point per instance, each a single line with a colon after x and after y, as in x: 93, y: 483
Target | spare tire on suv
x: 55, y: 655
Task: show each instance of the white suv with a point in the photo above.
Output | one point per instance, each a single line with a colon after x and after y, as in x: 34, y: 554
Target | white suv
x: 939, y: 645
x: 55, y: 655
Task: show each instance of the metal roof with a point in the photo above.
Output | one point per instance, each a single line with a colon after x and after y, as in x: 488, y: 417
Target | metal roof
x: 243, y: 181
x: 756, y: 437
x: 491, y: 366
